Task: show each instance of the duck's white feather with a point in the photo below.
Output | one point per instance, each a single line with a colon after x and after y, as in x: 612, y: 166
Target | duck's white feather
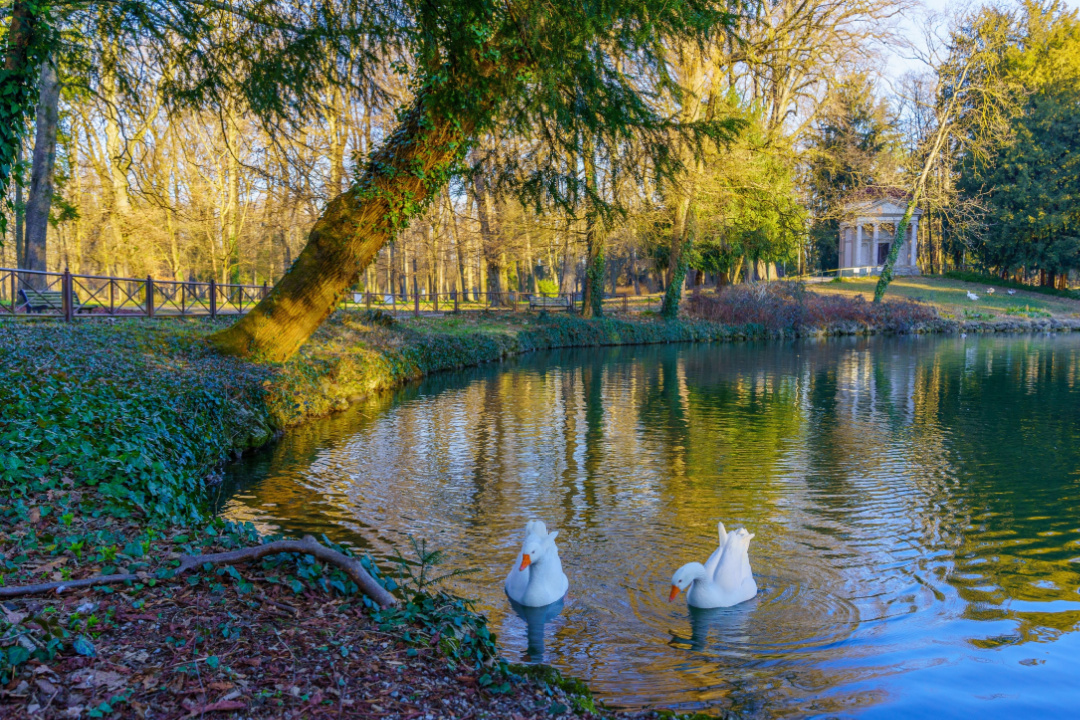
x: 542, y: 582
x: 726, y: 578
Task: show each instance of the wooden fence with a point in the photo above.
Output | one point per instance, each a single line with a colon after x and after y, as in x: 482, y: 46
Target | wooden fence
x: 33, y: 293
x: 419, y: 302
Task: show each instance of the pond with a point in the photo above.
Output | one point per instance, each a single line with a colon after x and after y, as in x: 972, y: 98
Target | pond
x: 916, y: 505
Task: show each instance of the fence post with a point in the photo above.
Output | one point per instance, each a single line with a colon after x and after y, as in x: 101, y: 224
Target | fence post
x: 112, y: 296
x: 416, y: 303
x: 65, y: 286
x: 435, y: 299
x: 456, y: 308
x: 265, y: 291
x: 14, y: 292
x: 149, y: 296
x: 367, y: 300
x: 213, y: 298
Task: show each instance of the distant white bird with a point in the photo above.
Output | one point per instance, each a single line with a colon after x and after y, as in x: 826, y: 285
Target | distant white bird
x: 989, y: 291
x: 972, y: 296
x: 1011, y: 292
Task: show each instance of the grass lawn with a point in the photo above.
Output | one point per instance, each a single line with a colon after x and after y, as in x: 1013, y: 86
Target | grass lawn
x: 950, y: 297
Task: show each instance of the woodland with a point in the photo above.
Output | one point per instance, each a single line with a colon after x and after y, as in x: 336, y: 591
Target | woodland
x: 488, y: 148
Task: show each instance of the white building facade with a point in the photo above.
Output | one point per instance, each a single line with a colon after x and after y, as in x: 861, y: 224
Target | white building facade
x: 868, y: 232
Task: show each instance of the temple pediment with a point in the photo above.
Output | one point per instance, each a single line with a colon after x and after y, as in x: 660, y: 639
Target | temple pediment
x: 883, y: 209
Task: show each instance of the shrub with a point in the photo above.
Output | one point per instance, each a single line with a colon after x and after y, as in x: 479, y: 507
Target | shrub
x: 548, y: 288
x: 789, y: 306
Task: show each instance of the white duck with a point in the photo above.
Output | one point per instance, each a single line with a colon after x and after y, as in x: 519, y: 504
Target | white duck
x: 724, y: 580
x: 537, y: 577
x: 972, y: 296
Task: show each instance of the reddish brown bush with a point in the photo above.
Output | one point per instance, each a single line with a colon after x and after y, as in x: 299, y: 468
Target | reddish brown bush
x: 789, y: 306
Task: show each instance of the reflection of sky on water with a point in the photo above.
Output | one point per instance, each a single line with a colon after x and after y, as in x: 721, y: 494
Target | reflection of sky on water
x: 915, y: 503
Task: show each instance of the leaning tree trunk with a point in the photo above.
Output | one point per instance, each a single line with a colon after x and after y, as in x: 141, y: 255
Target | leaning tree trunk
x: 41, y: 177
x: 399, y: 180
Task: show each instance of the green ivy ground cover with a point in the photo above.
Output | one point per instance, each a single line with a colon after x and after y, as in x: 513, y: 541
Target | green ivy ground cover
x: 143, y: 411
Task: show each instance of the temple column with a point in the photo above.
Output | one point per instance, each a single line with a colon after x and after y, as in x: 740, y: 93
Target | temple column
x: 872, y: 250
x: 856, y: 249
x: 841, y: 247
x: 914, y: 239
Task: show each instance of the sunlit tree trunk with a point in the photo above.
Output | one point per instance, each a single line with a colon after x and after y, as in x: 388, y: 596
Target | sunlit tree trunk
x: 120, y: 205
x: 592, y: 300
x: 489, y: 242
x: 676, y: 271
x: 41, y: 178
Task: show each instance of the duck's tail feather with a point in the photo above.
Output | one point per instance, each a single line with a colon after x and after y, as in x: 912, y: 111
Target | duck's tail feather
x: 536, y: 527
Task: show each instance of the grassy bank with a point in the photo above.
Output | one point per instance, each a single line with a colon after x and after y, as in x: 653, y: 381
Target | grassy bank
x: 949, y: 295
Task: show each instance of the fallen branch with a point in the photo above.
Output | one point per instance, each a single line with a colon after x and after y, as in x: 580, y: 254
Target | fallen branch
x: 308, y: 546
x: 20, y: 590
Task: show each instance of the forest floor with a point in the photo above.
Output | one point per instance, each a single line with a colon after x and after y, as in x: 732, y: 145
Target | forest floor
x: 276, y: 639
x: 949, y: 296
x: 112, y: 434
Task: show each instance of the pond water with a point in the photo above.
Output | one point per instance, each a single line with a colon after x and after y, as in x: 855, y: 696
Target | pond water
x: 916, y: 504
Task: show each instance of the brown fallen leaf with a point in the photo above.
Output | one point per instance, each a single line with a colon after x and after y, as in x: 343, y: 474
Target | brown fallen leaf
x: 50, y: 566
x: 45, y: 686
x: 219, y: 706
x: 89, y: 678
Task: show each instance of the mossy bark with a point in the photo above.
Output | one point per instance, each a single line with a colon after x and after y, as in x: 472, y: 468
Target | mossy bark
x: 592, y: 297
x: 399, y: 180
x: 677, y: 259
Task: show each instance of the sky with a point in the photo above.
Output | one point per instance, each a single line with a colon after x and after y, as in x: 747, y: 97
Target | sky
x: 914, y: 26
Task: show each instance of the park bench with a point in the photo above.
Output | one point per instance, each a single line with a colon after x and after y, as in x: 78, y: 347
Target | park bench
x: 544, y: 302
x: 46, y: 300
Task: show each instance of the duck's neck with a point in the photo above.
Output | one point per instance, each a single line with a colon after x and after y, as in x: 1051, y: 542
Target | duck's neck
x: 544, y: 567
x: 697, y: 572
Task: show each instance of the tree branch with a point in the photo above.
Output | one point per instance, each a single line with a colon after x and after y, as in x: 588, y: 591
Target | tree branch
x: 308, y: 546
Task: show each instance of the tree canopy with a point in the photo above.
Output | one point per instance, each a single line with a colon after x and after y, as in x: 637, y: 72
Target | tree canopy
x: 1028, y: 176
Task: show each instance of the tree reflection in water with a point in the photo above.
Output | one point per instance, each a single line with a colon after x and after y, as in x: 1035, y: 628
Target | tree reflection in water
x: 915, y: 502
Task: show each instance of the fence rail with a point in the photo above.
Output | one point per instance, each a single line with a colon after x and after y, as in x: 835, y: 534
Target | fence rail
x: 34, y: 293
x: 420, y: 302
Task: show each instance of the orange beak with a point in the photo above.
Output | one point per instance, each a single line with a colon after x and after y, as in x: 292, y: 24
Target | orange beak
x: 674, y: 593
x: 525, y: 562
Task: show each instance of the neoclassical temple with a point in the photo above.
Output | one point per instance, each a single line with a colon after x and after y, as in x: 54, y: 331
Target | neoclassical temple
x: 868, y: 231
